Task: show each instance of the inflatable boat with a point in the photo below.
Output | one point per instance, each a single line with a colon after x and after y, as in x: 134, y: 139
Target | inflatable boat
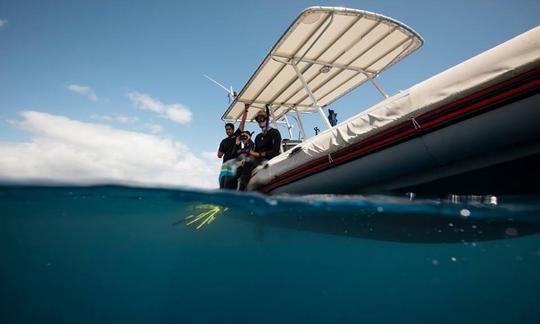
x: 474, y: 128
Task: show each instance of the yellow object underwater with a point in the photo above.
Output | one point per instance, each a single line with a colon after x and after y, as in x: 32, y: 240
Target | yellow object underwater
x: 206, y: 217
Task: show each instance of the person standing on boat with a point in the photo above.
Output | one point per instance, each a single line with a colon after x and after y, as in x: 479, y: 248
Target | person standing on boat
x: 227, y: 147
x: 227, y: 151
x: 267, y: 146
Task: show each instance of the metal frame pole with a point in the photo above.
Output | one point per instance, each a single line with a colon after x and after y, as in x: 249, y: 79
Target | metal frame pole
x: 300, y: 124
x: 289, y: 126
x: 310, y: 94
x: 369, y: 75
x: 274, y: 121
x: 376, y: 85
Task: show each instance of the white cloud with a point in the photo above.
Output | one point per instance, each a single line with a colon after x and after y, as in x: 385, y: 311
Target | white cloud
x: 178, y: 113
x: 83, y: 90
x: 126, y: 119
x: 175, y: 112
x: 3, y: 22
x: 119, y: 118
x: 154, y: 128
x: 102, y: 117
x: 212, y: 160
x: 69, y: 151
x: 144, y: 101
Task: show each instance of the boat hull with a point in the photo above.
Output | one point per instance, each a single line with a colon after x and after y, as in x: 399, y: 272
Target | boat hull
x: 493, y: 139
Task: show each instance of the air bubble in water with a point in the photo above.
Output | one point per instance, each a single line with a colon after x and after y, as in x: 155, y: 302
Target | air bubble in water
x: 380, y: 209
x: 510, y: 231
x: 435, y: 262
x: 493, y: 200
x: 465, y: 212
x: 453, y: 259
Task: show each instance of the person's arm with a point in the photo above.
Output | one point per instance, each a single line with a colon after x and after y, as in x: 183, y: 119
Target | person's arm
x: 220, y: 152
x: 244, y: 116
x: 276, y: 145
x: 253, y: 151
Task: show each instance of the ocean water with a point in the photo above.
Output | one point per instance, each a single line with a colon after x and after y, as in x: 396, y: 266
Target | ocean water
x: 112, y: 254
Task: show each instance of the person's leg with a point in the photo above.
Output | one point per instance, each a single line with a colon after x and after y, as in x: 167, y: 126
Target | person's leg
x: 221, y: 182
x: 245, y: 174
x: 230, y: 183
x: 234, y: 181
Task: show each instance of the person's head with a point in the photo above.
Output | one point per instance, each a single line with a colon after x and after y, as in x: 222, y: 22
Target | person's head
x: 245, y: 136
x: 229, y: 129
x: 261, y: 119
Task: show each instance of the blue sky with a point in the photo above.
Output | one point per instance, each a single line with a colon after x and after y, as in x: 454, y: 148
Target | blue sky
x: 72, y: 71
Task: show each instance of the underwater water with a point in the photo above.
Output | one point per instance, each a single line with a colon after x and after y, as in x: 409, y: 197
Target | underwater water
x: 112, y: 254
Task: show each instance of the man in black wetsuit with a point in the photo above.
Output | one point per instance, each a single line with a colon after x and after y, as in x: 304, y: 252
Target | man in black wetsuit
x: 227, y: 147
x: 267, y: 146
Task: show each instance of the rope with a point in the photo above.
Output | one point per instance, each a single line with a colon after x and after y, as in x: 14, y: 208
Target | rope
x: 415, y: 123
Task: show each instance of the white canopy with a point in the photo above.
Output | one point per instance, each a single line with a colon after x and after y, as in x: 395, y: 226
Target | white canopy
x: 329, y: 51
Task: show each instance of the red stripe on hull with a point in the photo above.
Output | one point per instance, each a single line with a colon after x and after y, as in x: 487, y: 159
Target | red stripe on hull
x: 405, y: 130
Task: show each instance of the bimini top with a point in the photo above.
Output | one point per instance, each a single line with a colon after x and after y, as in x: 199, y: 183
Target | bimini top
x: 334, y: 49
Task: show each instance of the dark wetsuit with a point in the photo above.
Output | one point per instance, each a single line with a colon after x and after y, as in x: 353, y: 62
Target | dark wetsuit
x: 248, y: 147
x: 228, y: 147
x: 268, y: 145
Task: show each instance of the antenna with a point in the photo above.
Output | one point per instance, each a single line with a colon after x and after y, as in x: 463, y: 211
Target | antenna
x: 230, y: 91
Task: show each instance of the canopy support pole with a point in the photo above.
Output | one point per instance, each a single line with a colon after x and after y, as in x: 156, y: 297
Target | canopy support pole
x: 289, y: 126
x: 300, y: 124
x: 369, y: 75
x: 377, y: 86
x: 310, y: 94
x: 274, y: 121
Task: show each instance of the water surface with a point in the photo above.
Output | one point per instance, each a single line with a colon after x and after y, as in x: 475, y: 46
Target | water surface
x: 113, y: 254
